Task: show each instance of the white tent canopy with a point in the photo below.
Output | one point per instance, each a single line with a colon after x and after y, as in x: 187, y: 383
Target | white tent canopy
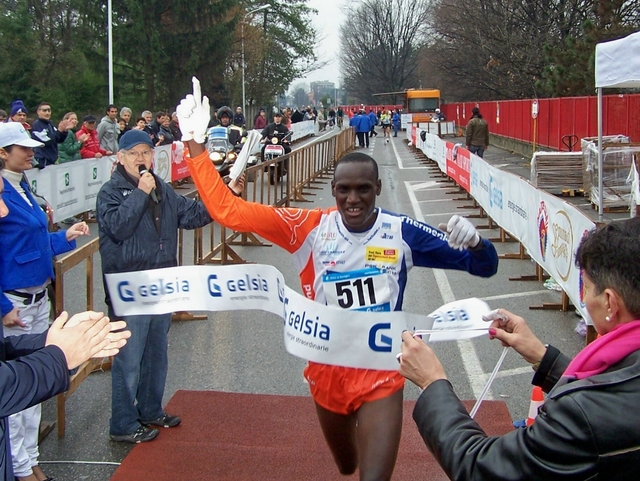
x: 618, y: 63
x: 617, y: 66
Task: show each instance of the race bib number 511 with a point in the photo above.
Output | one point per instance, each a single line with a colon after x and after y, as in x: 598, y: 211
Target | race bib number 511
x: 361, y: 290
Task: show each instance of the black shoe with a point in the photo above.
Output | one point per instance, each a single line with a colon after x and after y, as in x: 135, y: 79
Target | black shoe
x: 141, y: 435
x: 164, y: 421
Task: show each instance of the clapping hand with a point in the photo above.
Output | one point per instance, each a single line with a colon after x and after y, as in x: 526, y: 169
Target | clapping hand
x: 194, y: 115
x: 461, y: 232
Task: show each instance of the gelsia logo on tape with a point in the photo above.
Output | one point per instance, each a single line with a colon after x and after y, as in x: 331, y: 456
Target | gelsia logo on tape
x: 161, y: 287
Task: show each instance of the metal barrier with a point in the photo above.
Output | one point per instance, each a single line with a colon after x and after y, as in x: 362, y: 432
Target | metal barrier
x: 306, y: 166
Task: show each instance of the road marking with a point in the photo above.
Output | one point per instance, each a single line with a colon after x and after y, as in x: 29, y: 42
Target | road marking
x: 516, y: 371
x: 470, y: 360
x: 400, y: 164
x: 515, y: 294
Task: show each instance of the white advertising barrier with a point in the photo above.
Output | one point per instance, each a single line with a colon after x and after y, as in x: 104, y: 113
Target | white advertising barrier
x: 162, y: 162
x: 71, y: 188
x: 405, y: 120
x: 549, y: 228
x: 439, y: 128
x: 302, y: 129
x: 433, y: 147
x: 312, y: 330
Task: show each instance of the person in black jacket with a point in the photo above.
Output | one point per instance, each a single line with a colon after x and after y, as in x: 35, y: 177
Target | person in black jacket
x: 44, y: 131
x: 587, y: 427
x: 138, y: 219
x: 276, y: 129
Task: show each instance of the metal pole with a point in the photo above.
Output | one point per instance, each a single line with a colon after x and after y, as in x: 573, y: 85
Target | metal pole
x: 244, y: 102
x: 600, y: 181
x: 110, y: 48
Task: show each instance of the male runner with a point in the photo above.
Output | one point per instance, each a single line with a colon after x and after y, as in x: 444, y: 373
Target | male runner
x: 360, y: 410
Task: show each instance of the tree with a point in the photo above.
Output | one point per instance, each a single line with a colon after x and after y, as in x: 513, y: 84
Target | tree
x: 570, y: 68
x: 381, y: 43
x: 504, y: 49
x: 279, y: 48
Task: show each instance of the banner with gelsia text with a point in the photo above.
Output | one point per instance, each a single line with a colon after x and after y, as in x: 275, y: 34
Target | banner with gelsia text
x: 458, y: 160
x: 549, y: 228
x: 179, y: 168
x: 312, y: 331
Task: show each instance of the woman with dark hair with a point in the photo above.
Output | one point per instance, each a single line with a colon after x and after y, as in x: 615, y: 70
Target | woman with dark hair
x: 588, y: 426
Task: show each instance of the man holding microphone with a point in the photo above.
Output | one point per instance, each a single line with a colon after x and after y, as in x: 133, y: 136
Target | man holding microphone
x: 138, y: 219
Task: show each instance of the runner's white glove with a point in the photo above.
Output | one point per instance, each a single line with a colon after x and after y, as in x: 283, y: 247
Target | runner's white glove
x: 194, y: 114
x: 461, y: 232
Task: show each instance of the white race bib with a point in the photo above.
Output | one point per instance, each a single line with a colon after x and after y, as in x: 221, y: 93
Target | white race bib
x: 361, y: 290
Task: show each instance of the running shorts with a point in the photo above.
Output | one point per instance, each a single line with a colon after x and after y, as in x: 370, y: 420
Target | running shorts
x: 343, y: 390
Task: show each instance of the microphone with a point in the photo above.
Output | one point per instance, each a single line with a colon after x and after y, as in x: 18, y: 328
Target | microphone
x: 143, y: 170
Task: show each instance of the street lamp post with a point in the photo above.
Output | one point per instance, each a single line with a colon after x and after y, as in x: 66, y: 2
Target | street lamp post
x: 110, y: 47
x: 262, y: 7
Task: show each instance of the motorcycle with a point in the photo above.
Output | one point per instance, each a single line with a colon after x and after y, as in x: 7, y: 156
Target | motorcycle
x: 221, y: 152
x: 273, y: 150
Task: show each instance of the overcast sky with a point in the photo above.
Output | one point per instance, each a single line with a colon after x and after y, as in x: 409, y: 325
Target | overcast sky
x: 327, y: 22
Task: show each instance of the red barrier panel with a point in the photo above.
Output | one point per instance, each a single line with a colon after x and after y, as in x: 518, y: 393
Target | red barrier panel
x: 557, y: 117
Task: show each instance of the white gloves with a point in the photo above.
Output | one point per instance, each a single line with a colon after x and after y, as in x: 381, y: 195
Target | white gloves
x: 461, y: 232
x: 194, y: 114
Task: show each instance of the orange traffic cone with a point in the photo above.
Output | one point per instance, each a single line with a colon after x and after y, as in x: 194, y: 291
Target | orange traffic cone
x: 537, y: 400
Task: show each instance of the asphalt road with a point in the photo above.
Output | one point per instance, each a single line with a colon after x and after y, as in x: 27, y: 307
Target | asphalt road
x: 243, y: 351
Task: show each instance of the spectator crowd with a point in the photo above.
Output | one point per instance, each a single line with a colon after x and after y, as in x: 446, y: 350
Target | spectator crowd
x: 73, y: 138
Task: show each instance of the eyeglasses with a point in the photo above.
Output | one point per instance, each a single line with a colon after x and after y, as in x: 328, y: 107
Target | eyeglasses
x: 146, y: 154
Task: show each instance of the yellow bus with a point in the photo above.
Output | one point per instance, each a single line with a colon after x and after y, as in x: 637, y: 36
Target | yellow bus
x: 422, y: 103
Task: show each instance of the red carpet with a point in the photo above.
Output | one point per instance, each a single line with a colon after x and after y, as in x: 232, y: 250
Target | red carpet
x: 250, y: 437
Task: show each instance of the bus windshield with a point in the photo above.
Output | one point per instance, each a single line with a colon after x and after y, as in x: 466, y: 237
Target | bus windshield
x: 423, y: 105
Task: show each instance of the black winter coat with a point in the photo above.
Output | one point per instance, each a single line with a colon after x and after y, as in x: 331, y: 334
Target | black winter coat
x: 130, y: 237
x: 586, y: 429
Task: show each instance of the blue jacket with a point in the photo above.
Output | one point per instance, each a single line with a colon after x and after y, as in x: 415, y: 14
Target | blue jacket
x: 395, y: 120
x: 44, y: 131
x: 373, y: 118
x: 26, y: 245
x: 33, y: 374
x: 363, y: 123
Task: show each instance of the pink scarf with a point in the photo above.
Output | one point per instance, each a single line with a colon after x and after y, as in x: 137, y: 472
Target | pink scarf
x: 605, y: 351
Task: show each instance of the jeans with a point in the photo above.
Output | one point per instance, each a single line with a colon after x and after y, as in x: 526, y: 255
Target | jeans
x: 139, y: 373
x: 477, y: 149
x: 395, y: 130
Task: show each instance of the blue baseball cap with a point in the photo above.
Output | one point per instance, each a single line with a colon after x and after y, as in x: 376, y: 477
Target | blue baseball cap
x: 131, y: 138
